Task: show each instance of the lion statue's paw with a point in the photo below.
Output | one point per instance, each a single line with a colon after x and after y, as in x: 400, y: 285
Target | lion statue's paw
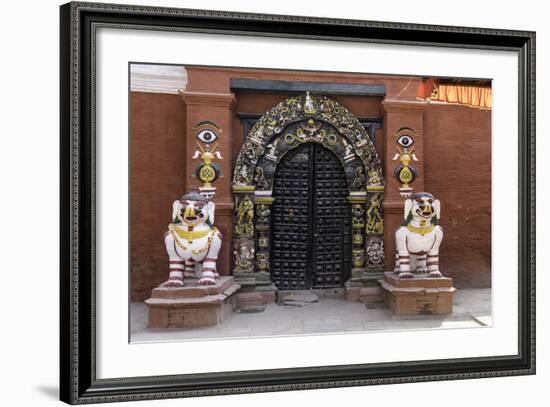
x: 435, y: 274
x: 207, y: 278
x: 207, y: 281
x: 172, y: 284
x: 406, y: 274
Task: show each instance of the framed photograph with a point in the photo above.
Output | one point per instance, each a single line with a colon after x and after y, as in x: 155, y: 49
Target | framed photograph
x: 255, y: 203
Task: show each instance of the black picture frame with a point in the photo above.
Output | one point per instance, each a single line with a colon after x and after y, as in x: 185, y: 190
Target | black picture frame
x: 78, y: 382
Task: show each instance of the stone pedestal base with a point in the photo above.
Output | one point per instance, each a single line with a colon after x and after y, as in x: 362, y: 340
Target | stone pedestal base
x: 419, y: 295
x: 193, y: 305
x: 254, y: 299
x: 366, y: 295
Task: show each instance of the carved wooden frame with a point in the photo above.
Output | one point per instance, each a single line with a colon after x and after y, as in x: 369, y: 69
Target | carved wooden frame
x: 78, y: 381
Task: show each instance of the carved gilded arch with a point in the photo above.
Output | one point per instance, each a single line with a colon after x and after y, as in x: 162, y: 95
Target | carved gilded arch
x: 302, y: 108
x: 307, y: 131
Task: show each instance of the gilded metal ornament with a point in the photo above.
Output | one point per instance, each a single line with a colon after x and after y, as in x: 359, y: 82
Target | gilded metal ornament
x: 375, y: 217
x: 358, y: 215
x: 245, y: 217
x: 207, y: 171
x: 375, y: 252
x: 358, y: 258
x: 244, y: 255
x: 358, y: 181
x: 263, y: 212
x: 299, y: 109
x: 259, y: 178
x: 374, y: 177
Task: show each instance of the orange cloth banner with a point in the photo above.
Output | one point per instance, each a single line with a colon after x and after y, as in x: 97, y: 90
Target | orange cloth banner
x: 480, y: 97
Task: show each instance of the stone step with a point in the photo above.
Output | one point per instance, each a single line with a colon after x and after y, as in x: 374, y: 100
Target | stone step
x: 192, y: 289
x: 250, y: 302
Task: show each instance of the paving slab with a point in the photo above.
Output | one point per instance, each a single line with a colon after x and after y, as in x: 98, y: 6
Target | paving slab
x: 472, y: 310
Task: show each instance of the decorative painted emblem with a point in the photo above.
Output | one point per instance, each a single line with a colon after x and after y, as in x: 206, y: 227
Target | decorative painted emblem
x: 405, y: 173
x: 207, y: 171
x: 207, y: 131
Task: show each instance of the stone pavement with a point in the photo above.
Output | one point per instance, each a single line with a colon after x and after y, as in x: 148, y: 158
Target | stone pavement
x: 472, y: 308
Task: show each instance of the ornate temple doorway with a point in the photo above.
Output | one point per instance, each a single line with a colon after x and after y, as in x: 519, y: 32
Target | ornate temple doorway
x: 311, y: 221
x: 308, y: 188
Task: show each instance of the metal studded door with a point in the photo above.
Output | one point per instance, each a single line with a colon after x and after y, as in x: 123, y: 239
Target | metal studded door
x: 311, y: 230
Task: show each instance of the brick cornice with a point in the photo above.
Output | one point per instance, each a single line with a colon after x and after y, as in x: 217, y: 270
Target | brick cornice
x: 210, y: 99
x: 393, y: 206
x: 224, y: 207
x: 403, y: 106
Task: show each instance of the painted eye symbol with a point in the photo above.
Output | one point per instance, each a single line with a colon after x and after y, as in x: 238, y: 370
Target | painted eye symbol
x: 207, y: 136
x: 405, y: 141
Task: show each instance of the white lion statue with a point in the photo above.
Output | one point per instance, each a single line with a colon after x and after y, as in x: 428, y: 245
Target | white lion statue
x: 192, y: 242
x: 417, y: 241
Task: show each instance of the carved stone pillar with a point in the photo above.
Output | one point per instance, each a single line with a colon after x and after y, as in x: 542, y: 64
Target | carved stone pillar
x: 243, y: 239
x: 399, y: 114
x: 216, y: 108
x: 263, y: 233
x: 358, y: 237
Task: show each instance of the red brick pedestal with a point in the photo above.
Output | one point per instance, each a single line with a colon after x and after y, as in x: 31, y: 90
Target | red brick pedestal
x: 193, y: 305
x: 419, y: 295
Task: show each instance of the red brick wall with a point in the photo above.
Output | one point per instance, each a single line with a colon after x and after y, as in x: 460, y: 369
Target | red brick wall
x: 157, y: 178
x: 457, y: 166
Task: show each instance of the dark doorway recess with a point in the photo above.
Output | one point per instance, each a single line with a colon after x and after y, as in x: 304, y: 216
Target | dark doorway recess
x: 311, y: 221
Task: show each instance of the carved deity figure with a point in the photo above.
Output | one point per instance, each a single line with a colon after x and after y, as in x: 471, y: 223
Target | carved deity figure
x: 417, y: 241
x: 192, y: 241
x: 375, y: 222
x: 244, y: 254
x: 375, y: 251
x: 245, y: 217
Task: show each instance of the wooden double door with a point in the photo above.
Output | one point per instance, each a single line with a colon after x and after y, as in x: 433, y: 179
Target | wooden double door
x: 311, y: 221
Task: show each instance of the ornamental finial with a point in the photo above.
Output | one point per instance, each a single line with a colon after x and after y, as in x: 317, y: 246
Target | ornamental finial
x: 308, y: 105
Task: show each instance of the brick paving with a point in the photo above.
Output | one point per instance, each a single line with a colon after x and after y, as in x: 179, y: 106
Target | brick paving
x: 472, y: 308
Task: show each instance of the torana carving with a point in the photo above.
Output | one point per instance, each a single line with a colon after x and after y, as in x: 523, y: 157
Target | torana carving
x: 322, y: 110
